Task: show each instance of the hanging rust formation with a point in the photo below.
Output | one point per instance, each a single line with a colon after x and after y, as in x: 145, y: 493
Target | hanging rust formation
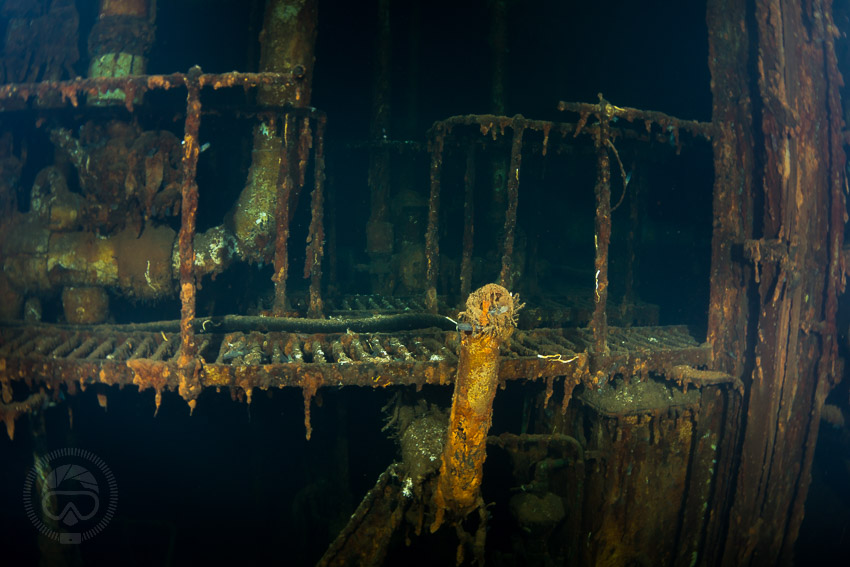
x: 734, y: 184
x: 11, y: 411
x: 489, y: 320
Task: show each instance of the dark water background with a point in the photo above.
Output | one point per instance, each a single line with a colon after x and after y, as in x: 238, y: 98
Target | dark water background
x: 234, y: 484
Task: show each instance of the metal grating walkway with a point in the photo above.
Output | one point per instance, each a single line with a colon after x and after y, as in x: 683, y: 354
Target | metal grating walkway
x: 278, y: 359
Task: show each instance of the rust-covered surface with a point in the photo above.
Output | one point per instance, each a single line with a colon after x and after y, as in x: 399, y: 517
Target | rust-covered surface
x: 489, y: 320
x: 189, y: 387
x: 734, y: 182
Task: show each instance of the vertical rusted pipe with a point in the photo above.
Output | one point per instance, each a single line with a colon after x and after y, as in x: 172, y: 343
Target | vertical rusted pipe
x: 602, y: 239
x: 288, y: 43
x: 281, y: 259
x: 490, y: 318
x: 316, y: 235
x: 506, y: 277
x: 189, y: 385
x: 432, y: 243
x: 468, y: 222
x: 287, y: 46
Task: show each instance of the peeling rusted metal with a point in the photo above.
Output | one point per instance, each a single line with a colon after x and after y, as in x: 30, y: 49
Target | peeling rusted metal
x: 734, y: 182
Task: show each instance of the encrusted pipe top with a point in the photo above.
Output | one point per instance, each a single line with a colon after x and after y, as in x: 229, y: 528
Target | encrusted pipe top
x: 491, y: 310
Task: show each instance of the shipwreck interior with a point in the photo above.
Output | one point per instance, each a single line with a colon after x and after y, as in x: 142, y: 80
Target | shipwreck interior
x: 407, y: 282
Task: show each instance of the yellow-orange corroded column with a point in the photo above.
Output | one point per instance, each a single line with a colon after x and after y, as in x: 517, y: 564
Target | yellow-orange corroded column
x: 489, y: 319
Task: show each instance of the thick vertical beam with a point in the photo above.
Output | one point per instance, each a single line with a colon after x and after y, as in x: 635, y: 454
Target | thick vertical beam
x: 794, y: 266
x: 729, y: 40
